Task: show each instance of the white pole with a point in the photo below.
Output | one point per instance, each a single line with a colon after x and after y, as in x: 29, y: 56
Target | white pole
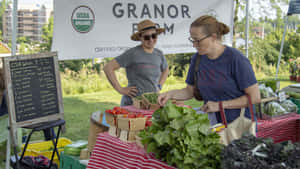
x: 281, y: 47
x: 14, y: 28
x: 247, y: 27
x: 13, y: 52
x: 8, y: 148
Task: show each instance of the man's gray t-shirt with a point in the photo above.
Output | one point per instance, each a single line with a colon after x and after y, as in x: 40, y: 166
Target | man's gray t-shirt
x: 143, y: 70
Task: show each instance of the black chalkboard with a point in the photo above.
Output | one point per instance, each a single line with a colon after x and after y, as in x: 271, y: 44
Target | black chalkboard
x: 33, y: 85
x: 34, y: 88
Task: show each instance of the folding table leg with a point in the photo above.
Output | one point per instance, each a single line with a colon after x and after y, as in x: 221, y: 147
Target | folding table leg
x: 55, y: 145
x: 25, y: 147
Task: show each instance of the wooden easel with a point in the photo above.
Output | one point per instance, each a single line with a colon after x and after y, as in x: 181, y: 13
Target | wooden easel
x: 34, y: 96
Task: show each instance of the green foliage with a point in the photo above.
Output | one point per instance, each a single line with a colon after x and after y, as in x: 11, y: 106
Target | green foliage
x: 26, y: 46
x: 178, y: 62
x: 181, y: 137
x: 3, y: 5
x: 47, y: 35
x: 74, y: 65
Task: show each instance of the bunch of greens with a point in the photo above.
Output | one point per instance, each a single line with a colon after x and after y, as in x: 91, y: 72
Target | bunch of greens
x: 260, y: 153
x: 181, y: 137
x: 138, y: 97
x: 151, y: 97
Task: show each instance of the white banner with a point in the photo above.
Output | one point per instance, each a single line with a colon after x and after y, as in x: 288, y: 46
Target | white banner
x: 102, y: 28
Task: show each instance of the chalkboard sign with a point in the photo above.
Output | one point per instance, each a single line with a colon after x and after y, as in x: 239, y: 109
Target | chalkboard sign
x: 34, y: 90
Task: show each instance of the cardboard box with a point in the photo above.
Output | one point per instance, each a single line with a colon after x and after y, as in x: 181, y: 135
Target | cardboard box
x: 85, y: 154
x: 114, y: 131
x: 132, y: 124
x: 129, y: 136
x: 138, y: 103
x: 148, y: 105
x: 111, y: 119
x: 95, y: 128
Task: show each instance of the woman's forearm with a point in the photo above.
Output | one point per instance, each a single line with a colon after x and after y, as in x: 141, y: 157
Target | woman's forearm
x: 252, y: 91
x: 182, y: 94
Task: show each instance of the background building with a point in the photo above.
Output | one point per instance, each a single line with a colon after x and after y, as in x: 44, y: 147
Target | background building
x: 31, y: 19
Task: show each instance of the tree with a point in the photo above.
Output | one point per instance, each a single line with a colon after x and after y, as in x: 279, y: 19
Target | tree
x: 47, y: 35
x: 3, y: 5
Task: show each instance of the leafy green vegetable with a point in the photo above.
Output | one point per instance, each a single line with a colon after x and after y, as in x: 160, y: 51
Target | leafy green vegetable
x: 180, y: 137
x: 251, y: 152
x: 151, y: 97
x: 138, y: 97
x: 294, y: 95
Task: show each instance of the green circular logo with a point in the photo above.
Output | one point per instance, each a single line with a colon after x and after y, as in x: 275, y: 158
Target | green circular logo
x: 83, y: 19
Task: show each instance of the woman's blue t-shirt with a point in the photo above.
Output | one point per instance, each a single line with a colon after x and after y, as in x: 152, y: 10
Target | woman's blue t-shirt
x: 224, y: 78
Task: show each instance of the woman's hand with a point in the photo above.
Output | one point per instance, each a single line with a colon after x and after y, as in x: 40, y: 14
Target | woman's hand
x: 210, y: 107
x: 129, y: 91
x: 163, y: 98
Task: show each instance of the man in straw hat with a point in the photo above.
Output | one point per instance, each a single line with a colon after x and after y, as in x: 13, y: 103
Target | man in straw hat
x: 146, y: 67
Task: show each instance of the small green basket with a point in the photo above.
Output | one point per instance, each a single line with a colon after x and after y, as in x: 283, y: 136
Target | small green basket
x: 297, y: 102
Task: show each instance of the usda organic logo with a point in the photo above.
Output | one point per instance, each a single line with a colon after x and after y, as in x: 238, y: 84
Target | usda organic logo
x: 83, y: 19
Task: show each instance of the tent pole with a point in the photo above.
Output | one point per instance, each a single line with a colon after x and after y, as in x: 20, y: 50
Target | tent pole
x: 14, y: 28
x: 281, y: 46
x: 13, y: 52
x: 247, y: 27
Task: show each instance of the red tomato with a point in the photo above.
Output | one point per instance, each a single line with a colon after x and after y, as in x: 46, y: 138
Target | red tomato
x: 140, y: 115
x: 114, y: 112
x: 131, y: 115
x: 117, y: 108
x: 123, y: 111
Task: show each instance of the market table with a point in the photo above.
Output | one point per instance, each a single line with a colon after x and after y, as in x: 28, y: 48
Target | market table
x: 281, y: 128
x: 111, y: 152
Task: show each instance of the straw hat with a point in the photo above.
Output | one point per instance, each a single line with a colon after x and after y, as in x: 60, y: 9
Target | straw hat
x: 143, y: 26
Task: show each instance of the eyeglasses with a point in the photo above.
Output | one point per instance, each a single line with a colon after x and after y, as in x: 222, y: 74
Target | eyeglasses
x: 147, y: 37
x: 197, y: 41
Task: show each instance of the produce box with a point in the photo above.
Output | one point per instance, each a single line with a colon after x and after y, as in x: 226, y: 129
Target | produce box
x: 114, y: 131
x: 96, y: 127
x: 112, y: 115
x: 85, y: 154
x: 138, y: 103
x: 70, y: 162
x: 111, y: 119
x: 132, y: 124
x: 75, y: 148
x: 297, y: 102
x: 126, y: 135
x: 45, y: 148
x: 150, y: 101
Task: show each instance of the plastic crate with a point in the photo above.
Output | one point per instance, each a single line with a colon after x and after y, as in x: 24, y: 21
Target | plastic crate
x: 45, y: 148
x: 70, y: 162
x: 297, y: 102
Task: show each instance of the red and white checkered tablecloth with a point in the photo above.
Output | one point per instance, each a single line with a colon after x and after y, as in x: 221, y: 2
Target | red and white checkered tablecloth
x: 146, y: 113
x: 112, y: 153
